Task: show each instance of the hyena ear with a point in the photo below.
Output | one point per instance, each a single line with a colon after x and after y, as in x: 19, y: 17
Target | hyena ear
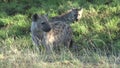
x: 46, y: 16
x: 35, y: 17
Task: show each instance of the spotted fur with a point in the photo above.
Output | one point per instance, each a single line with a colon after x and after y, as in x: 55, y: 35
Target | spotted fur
x: 69, y: 17
x: 50, y: 34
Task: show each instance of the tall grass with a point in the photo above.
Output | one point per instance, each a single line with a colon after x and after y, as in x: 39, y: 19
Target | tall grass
x: 19, y: 53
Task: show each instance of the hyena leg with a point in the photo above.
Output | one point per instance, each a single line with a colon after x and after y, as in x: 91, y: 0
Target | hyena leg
x: 68, y: 44
x: 49, y: 49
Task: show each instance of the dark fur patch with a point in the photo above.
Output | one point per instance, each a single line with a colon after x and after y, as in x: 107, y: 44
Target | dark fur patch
x: 46, y: 27
x: 35, y: 17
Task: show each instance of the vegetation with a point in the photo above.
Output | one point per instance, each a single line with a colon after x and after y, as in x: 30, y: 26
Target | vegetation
x: 96, y: 35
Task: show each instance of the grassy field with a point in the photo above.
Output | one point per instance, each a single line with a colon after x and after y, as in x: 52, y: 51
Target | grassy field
x: 96, y: 35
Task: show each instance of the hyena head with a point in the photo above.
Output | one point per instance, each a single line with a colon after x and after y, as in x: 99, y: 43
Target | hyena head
x: 41, y: 23
x: 76, y: 13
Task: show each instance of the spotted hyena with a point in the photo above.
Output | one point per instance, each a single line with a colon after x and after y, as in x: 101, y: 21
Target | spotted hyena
x: 70, y: 16
x: 50, y: 34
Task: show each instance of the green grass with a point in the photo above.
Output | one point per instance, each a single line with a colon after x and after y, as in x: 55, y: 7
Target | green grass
x: 96, y: 35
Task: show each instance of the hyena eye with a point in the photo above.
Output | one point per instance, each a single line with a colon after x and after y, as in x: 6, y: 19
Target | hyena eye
x: 43, y: 23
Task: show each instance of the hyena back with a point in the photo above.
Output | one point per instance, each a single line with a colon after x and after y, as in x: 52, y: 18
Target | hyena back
x: 70, y: 16
x: 50, y: 34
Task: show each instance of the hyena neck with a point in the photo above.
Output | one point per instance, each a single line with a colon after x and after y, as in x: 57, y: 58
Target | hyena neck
x: 34, y: 28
